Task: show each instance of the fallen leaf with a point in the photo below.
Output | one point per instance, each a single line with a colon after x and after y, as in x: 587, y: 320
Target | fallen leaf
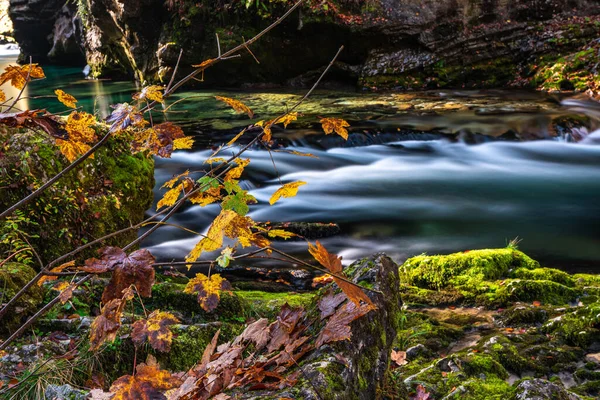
x: 338, y: 326
x: 399, y: 357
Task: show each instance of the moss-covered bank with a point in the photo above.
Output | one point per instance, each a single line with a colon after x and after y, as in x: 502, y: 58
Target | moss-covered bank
x: 494, y: 324
x: 106, y: 194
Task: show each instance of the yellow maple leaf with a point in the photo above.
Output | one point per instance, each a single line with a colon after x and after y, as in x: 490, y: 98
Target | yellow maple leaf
x: 215, y: 160
x: 183, y: 143
x: 17, y: 75
x: 152, y: 93
x: 170, y: 197
x: 239, y: 135
x: 208, y: 290
x: 236, y: 105
x: 66, y: 98
x: 236, y: 173
x: 72, y: 149
x: 286, y: 119
x: 2, y: 96
x: 336, y: 125
x: 214, y: 237
x: 203, y: 198
x: 280, y: 233
x: 287, y: 190
x: 170, y: 183
x: 80, y: 127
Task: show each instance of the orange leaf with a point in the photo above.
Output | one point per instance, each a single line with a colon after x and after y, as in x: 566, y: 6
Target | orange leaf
x: 60, y: 268
x: 236, y: 105
x: 537, y: 303
x: 148, y: 383
x: 334, y: 264
x: 152, y: 93
x: 66, y: 98
x: 336, y: 125
x: 17, y: 75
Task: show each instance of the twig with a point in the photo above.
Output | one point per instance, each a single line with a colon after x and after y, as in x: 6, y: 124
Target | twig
x: 219, y: 44
x: 304, y: 374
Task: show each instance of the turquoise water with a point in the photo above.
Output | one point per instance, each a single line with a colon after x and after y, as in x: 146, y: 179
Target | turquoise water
x: 427, y: 172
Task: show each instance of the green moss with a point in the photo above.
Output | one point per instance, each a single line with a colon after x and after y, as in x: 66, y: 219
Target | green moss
x: 579, y: 327
x: 475, y: 364
x: 170, y: 296
x: 105, y: 194
x: 267, y: 304
x: 549, y: 274
x: 490, y: 388
x: 332, y: 373
x: 463, y: 269
x: 189, y: 343
x: 13, y: 276
x: 524, y: 315
x: 547, y: 292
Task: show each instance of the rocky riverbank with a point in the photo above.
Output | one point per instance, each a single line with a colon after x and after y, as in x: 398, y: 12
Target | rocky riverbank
x: 400, y: 44
x: 482, y: 324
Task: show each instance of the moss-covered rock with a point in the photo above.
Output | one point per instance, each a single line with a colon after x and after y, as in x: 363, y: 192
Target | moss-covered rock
x: 13, y: 276
x: 463, y: 269
x: 105, y: 194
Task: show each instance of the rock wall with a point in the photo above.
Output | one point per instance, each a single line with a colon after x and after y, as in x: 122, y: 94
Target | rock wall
x: 47, y: 30
x: 389, y: 43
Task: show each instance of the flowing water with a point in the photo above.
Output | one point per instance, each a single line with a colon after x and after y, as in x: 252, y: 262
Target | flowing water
x: 421, y: 172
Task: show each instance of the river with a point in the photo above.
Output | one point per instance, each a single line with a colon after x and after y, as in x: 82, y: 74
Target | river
x: 430, y: 172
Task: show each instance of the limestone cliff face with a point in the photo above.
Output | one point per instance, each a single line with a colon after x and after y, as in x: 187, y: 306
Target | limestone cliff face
x: 389, y: 43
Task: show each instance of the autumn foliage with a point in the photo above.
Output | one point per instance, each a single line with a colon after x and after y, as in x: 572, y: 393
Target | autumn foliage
x: 265, y: 354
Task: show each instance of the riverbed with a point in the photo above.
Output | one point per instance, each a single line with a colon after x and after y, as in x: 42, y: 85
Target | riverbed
x: 430, y: 172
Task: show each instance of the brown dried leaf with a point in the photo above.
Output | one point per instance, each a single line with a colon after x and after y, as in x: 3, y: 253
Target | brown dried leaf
x: 135, y: 269
x: 338, y: 326
x: 124, y: 116
x: 155, y: 329
x: 330, y: 302
x: 109, y: 257
x: 257, y: 332
x: 208, y: 290
x: 334, y: 264
x: 105, y: 326
x: 399, y: 357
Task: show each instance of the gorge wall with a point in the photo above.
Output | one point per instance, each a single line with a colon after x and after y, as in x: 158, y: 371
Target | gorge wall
x: 388, y: 43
